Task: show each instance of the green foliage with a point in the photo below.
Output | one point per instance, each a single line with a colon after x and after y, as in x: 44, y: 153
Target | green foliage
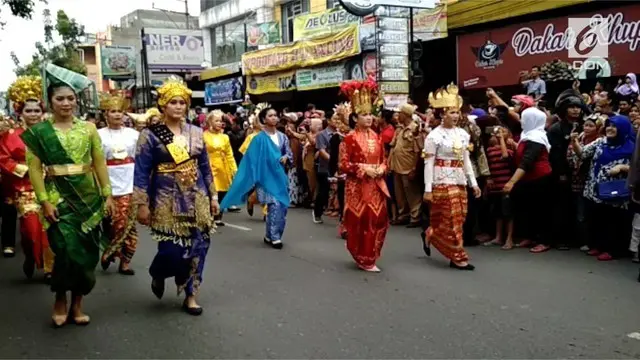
x: 65, y: 54
x: 20, y: 8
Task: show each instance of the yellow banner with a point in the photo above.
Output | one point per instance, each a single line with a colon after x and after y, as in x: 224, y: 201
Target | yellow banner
x: 305, y: 53
x: 279, y: 82
x: 430, y: 24
x: 322, y: 23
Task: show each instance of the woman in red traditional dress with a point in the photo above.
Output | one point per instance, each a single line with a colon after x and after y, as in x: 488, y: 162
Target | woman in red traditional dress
x: 26, y: 95
x: 447, y: 172
x: 363, y: 162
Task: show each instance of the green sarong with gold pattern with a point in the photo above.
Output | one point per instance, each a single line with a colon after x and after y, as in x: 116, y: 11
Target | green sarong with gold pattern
x: 71, y: 186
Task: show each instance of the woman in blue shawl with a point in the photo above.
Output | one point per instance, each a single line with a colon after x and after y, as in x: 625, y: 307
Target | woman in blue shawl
x: 606, y: 193
x: 264, y: 166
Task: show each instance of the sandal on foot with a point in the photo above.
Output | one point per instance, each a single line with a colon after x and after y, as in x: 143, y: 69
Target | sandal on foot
x: 507, y: 247
x: 59, y: 321
x: 540, y: 249
x: 193, y: 311
x: 82, y: 320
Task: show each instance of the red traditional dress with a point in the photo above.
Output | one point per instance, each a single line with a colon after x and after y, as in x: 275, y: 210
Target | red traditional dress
x: 18, y: 187
x: 365, y: 210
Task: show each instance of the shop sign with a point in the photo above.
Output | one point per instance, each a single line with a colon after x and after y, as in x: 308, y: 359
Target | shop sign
x: 393, y: 101
x: 394, y: 49
x: 366, y: 7
x: 220, y: 71
x: 304, y: 53
x: 226, y: 91
x: 272, y: 83
x: 396, y: 87
x: 322, y: 23
x: 393, y: 36
x: 174, y: 48
x: 320, y: 78
x: 495, y: 58
x: 394, y: 74
x: 118, y: 62
x: 389, y: 23
x: 394, y: 62
x: 430, y: 24
x: 263, y: 34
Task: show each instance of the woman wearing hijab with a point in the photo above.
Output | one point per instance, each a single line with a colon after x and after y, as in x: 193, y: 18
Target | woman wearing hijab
x: 579, y: 172
x: 606, y: 187
x: 629, y: 88
x: 73, y: 203
x: 531, y: 183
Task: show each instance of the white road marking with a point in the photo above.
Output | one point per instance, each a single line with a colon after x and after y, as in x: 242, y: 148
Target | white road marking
x: 243, y: 228
x: 634, y: 335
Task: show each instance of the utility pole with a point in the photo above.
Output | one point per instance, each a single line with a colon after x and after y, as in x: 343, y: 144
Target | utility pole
x: 186, y: 11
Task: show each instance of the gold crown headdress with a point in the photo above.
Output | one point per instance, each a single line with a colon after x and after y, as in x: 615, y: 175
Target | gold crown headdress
x: 261, y: 106
x: 362, y: 94
x: 446, y: 98
x: 173, y: 87
x: 115, y: 101
x: 25, y: 88
x: 215, y: 114
x: 343, y: 111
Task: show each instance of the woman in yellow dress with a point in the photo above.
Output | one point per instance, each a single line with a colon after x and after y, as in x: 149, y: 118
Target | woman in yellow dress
x: 223, y: 164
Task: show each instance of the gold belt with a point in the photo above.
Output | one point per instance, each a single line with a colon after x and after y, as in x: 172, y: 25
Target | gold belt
x: 67, y: 169
x: 173, y: 168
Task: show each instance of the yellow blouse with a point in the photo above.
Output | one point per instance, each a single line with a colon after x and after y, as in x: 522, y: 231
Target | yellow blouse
x: 223, y: 164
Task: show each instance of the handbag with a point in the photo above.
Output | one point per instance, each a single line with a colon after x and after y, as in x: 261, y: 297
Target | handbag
x: 615, y: 190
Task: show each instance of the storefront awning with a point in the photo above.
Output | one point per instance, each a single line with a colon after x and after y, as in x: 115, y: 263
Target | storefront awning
x: 471, y: 12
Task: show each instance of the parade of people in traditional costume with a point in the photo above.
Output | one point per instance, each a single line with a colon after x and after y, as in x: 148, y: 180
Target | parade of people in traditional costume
x: 362, y: 160
x: 119, y: 147
x: 223, y: 164
x: 264, y: 167
x: 76, y: 194
x: 447, y: 173
x: 175, y: 195
x: 26, y: 95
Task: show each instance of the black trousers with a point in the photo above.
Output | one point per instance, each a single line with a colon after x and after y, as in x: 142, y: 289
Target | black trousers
x: 9, y: 220
x: 323, y: 194
x: 609, y: 229
x: 531, y: 200
x: 221, y: 195
x: 565, y: 231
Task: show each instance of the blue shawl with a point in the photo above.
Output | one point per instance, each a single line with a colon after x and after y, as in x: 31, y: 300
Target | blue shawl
x: 260, y: 167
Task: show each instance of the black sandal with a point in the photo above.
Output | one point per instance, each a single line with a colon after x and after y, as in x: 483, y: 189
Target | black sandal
x: 157, y: 287
x: 426, y: 247
x: 193, y: 311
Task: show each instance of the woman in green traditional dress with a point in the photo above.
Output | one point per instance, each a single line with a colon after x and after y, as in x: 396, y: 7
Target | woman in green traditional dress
x: 69, y: 175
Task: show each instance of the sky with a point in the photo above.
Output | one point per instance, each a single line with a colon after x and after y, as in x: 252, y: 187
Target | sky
x: 20, y: 35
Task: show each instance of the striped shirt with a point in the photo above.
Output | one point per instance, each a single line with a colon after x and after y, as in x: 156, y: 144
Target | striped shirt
x: 501, y: 169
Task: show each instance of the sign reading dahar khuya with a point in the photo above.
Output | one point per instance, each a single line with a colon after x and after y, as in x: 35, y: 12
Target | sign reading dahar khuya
x: 305, y: 53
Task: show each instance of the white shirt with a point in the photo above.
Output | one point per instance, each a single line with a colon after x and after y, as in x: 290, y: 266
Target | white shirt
x: 447, y: 144
x: 274, y: 138
x: 114, y: 145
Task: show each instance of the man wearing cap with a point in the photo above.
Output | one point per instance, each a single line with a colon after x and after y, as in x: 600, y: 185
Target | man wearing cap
x: 403, y: 158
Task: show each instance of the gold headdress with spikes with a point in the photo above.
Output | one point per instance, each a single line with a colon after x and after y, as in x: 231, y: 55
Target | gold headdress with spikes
x: 215, y: 114
x: 446, y: 98
x: 343, y: 111
x: 25, y: 88
x: 361, y: 93
x: 173, y: 87
x: 116, y: 101
x: 261, y: 106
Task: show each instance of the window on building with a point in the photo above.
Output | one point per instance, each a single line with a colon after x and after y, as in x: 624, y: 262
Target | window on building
x: 229, y: 41
x: 332, y: 3
x: 289, y: 11
x: 208, y: 4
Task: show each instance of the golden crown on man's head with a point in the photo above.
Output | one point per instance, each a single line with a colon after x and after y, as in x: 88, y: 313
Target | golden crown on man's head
x: 171, y: 88
x: 25, y: 88
x: 446, y: 98
x: 117, y: 101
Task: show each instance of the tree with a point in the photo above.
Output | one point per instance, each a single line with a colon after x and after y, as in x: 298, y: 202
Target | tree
x: 19, y: 8
x: 65, y: 54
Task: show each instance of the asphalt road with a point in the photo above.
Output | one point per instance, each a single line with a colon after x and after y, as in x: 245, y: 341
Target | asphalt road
x: 309, y: 301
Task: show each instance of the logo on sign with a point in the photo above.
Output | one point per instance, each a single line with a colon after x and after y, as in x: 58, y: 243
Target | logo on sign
x: 488, y: 56
x: 589, y: 41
